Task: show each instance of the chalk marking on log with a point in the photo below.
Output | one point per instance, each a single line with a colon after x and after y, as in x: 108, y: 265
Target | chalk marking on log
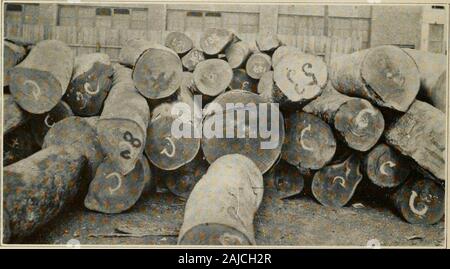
x: 359, y: 118
x: 119, y: 182
x: 165, y: 152
x: 308, y: 129
x: 80, y: 97
x: 36, y: 91
x: 382, y: 167
x: 420, y: 212
x: 341, y: 179
x: 244, y: 85
x: 88, y: 88
x: 308, y: 74
x: 46, y: 121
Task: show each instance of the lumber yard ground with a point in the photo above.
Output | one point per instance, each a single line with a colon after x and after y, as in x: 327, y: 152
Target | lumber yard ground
x: 298, y: 221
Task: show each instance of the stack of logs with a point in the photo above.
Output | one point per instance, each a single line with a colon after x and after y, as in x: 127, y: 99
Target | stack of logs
x: 82, y: 125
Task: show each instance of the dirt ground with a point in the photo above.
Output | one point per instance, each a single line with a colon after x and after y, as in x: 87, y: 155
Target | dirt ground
x: 299, y: 221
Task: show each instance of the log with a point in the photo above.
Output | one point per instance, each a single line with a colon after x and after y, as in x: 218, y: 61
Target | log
x: 283, y: 180
x: 81, y: 134
x: 156, y: 69
x: 13, y: 115
x: 192, y: 58
x: 41, y: 79
x: 221, y: 207
x: 420, y: 201
x: 241, y: 81
x: 420, y: 134
x: 267, y: 41
x: 270, y: 91
x: 432, y: 70
x: 90, y: 84
x: 122, y: 127
x: 213, y: 76
x: 40, y: 124
x: 385, y: 167
x: 385, y: 75
x: 36, y: 189
x: 214, y: 40
x: 182, y: 180
x: 334, y: 185
x: 111, y: 192
x: 18, y: 144
x: 301, y: 77
x: 169, y: 151
x: 355, y: 120
x: 237, y: 54
x: 309, y: 141
x: 282, y: 51
x: 179, y: 42
x: 242, y: 136
x: 258, y: 64
x: 12, y: 55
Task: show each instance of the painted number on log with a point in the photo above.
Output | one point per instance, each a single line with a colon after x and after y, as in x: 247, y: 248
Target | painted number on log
x: 383, y: 167
x: 88, y: 88
x: 49, y: 125
x: 128, y: 137
x: 35, y: 90
x: 302, y: 142
x: 341, y: 181
x: 360, y: 120
x: 119, y: 182
x: 419, y: 212
x: 244, y: 85
x: 169, y: 153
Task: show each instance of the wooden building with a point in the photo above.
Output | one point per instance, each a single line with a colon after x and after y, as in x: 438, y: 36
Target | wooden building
x: 318, y: 29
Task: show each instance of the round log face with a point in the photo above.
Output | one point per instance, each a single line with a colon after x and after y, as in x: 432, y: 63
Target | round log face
x: 421, y: 201
x: 212, y: 76
x: 111, y: 192
x: 241, y: 81
x: 392, y: 75
x: 258, y: 64
x: 309, y: 141
x: 242, y: 141
x: 283, y: 51
x: 385, y: 167
x: 35, y: 91
x: 122, y: 141
x: 301, y: 77
x: 284, y: 180
x: 157, y: 73
x: 335, y: 185
x: 267, y: 41
x: 237, y: 54
x: 178, y: 42
x: 213, y: 40
x: 192, y: 58
x: 41, y: 124
x: 213, y: 234
x: 166, y: 151
x: 87, y: 92
x: 360, y: 124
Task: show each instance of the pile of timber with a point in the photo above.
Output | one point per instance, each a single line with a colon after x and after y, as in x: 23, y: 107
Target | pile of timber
x: 112, y: 132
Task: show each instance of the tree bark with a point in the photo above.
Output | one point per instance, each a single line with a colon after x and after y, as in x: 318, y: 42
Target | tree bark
x: 192, y: 58
x: 258, y: 64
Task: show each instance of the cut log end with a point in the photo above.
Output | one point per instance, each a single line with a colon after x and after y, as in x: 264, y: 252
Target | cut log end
x: 420, y: 201
x: 214, y: 40
x: 179, y: 42
x: 157, y: 73
x: 393, y: 75
x: 237, y: 53
x: 309, y: 142
x: 241, y: 81
x: 385, y: 167
x: 284, y: 180
x: 335, y: 185
x: 359, y: 123
x: 212, y: 76
x: 258, y: 64
x: 18, y: 144
x: 192, y: 58
x: 111, y: 192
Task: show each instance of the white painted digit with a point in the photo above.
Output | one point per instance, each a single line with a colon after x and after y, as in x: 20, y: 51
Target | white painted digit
x: 46, y: 121
x: 419, y: 212
x: 119, y: 182
x: 383, y: 168
x: 166, y: 152
x: 36, y: 91
x: 88, y: 88
x: 341, y: 180
x: 302, y: 143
